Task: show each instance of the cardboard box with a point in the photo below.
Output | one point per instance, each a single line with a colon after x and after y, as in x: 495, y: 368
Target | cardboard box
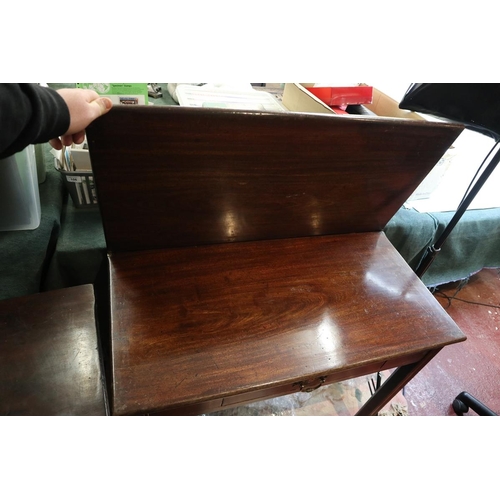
x: 383, y: 105
x: 297, y: 98
x: 81, y: 159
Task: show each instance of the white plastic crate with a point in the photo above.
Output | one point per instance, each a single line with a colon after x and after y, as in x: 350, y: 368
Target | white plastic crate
x: 201, y: 97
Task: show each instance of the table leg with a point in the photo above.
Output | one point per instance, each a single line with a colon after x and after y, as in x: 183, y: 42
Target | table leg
x: 397, y: 380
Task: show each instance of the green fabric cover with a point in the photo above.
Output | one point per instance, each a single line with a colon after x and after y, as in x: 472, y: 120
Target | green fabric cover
x: 80, y: 249
x: 411, y: 233
x: 472, y: 245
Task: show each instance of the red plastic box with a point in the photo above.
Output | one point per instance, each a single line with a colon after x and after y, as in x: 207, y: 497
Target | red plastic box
x: 343, y: 96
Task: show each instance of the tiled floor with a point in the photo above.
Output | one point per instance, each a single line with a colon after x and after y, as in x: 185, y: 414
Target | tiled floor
x: 473, y: 365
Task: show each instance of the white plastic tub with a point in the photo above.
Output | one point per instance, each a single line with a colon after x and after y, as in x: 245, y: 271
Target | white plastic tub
x: 19, y: 195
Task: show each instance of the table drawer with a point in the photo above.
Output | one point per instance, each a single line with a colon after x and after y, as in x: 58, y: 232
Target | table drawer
x: 306, y: 385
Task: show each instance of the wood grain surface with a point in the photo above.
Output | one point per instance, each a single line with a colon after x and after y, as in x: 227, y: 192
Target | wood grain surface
x: 170, y: 176
x: 49, y: 355
x: 209, y: 325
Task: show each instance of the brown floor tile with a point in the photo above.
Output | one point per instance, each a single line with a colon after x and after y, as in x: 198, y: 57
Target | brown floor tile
x: 473, y: 365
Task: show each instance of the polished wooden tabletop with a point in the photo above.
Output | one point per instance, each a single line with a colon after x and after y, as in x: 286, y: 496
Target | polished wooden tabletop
x: 49, y: 355
x: 212, y: 323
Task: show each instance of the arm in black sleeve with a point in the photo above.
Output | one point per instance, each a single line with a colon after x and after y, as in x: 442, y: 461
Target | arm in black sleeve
x: 29, y: 114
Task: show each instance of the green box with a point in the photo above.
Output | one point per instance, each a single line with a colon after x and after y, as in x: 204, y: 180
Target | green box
x: 120, y: 93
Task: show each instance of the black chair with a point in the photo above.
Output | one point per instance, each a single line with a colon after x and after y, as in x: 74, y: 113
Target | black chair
x: 477, y: 107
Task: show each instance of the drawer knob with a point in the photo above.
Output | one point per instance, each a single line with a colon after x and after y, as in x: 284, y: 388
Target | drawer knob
x: 306, y: 387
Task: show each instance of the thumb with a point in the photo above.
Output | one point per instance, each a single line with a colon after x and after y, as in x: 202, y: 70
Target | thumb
x: 101, y: 105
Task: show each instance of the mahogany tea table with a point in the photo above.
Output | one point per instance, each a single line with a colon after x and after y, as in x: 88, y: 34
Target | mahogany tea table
x: 247, y: 258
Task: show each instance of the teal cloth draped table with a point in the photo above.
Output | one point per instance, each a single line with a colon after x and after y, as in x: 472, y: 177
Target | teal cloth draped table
x: 472, y: 245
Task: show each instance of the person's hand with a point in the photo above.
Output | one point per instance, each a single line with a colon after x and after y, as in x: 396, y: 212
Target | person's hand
x: 84, y: 107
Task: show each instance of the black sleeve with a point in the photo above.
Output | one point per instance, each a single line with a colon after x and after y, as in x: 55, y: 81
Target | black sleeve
x: 29, y: 114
